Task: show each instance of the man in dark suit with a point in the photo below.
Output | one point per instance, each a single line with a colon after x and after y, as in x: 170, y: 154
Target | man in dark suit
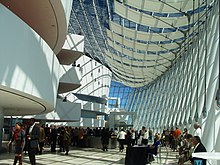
x: 32, y: 136
x: 198, y: 147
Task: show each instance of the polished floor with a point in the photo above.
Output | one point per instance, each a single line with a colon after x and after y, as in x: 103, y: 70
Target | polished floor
x: 87, y: 156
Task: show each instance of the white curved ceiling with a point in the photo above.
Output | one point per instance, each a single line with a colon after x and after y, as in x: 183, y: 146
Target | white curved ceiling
x: 138, y: 39
x: 46, y: 17
x: 15, y: 103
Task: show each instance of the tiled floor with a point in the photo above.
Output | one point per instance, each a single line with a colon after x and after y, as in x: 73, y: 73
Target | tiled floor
x: 86, y: 156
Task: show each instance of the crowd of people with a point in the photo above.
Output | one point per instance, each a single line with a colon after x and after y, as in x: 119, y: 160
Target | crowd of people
x: 32, y: 138
x: 181, y: 141
x: 184, y: 143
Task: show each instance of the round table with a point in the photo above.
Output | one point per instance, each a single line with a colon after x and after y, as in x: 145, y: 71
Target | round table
x: 207, y: 155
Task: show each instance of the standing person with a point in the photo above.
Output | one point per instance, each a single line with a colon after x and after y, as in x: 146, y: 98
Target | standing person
x: 141, y: 135
x: 81, y: 137
x: 76, y: 140
x: 145, y: 138
x: 66, y: 139
x: 128, y: 138
x: 33, y: 135
x: 10, y: 137
x: 41, y: 139
x: 105, y: 134
x: 47, y: 135
x: 150, y: 134
x: 25, y: 126
x: 167, y: 137
x: 198, y: 130
x: 60, y: 139
x: 176, y: 135
x: 142, y: 132
x: 121, y: 139
x: 133, y: 137
x: 198, y: 147
x: 18, y: 137
x: 185, y: 133
x: 116, y: 131
x: 53, y: 138
x: 171, y: 139
x: 136, y: 137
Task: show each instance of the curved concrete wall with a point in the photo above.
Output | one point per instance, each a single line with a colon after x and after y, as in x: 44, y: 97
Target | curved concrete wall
x: 49, y: 18
x: 28, y: 66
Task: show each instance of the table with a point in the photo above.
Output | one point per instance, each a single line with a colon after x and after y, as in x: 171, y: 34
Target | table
x: 207, y: 155
x: 137, y: 155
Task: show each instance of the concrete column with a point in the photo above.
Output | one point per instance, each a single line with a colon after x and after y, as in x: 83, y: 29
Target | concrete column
x: 1, y: 126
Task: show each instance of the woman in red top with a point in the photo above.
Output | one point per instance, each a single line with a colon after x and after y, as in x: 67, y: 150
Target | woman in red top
x: 18, y: 138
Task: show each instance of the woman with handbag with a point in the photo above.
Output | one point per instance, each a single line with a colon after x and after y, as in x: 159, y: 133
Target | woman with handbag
x: 18, y: 138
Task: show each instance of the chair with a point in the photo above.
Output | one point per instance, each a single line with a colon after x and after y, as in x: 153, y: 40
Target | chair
x: 158, y: 156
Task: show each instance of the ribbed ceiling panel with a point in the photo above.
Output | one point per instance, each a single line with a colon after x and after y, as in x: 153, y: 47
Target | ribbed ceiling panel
x: 138, y: 39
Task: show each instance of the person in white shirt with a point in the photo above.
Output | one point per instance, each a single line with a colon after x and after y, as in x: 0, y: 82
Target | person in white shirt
x: 121, y: 139
x: 145, y: 138
x: 198, y: 130
x: 133, y: 137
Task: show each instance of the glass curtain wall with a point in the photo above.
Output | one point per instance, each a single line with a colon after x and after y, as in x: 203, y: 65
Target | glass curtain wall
x: 119, y: 95
x: 184, y: 94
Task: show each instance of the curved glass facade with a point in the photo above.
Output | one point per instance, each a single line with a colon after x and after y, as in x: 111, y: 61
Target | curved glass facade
x: 164, y: 58
x: 125, y: 35
x: 186, y: 91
